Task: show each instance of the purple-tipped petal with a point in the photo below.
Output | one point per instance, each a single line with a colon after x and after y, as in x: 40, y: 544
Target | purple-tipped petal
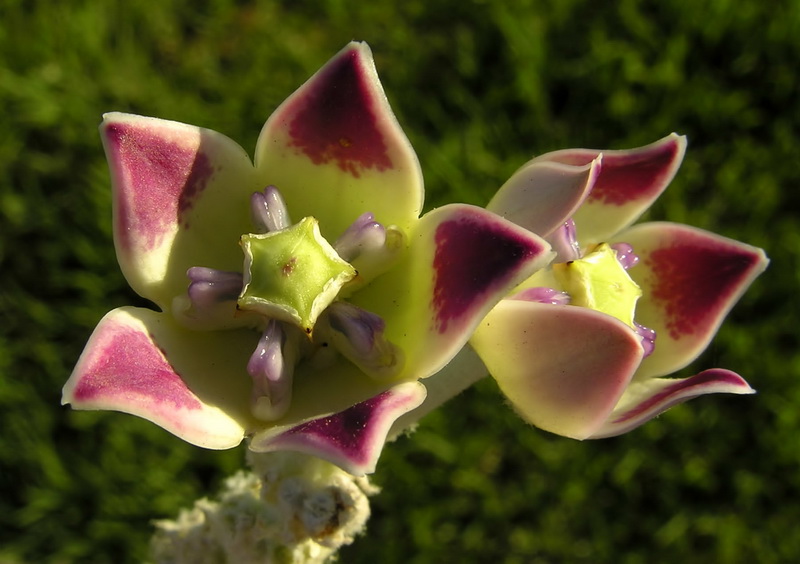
x: 461, y: 261
x: 628, y: 184
x: 180, y: 200
x: 563, y: 368
x: 138, y: 362
x: 352, y: 439
x: 646, y: 399
x: 335, y: 149
x: 690, y: 279
x: 542, y: 195
x: 268, y: 211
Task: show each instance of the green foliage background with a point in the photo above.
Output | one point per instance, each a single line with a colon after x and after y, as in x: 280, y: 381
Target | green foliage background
x: 480, y: 86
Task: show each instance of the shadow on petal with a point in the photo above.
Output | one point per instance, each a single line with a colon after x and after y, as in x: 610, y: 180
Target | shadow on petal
x: 563, y: 368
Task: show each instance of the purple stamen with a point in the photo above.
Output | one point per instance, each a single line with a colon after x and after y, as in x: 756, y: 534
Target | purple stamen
x: 209, y: 287
x: 268, y: 211
x: 365, y: 235
x: 542, y: 295
x: 627, y: 258
x: 565, y: 242
x: 358, y: 336
x: 272, y: 374
x: 648, y: 338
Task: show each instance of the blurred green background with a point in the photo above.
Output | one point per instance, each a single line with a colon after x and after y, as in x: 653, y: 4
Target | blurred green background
x: 479, y: 87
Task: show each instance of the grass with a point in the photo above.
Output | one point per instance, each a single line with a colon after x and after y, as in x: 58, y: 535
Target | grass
x: 479, y: 88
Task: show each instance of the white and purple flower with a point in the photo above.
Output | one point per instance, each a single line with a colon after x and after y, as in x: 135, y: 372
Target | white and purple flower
x: 652, y: 296
x: 302, y: 298
x: 304, y: 301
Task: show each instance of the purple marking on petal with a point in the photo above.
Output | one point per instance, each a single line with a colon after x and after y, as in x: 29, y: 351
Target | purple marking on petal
x: 542, y: 295
x: 627, y: 176
x: 355, y: 434
x: 352, y: 438
x: 336, y: 120
x: 676, y: 393
x: 196, y: 182
x: 364, y: 235
x: 131, y: 364
x: 268, y: 211
x: 347, y: 430
x: 209, y: 286
x: 632, y: 177
x: 161, y: 180
x: 564, y: 241
x: 694, y: 278
x: 625, y: 255
x: 648, y: 338
x: 473, y: 256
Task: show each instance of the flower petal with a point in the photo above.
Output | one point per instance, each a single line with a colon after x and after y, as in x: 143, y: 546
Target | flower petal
x: 181, y: 199
x: 352, y: 439
x: 461, y: 261
x: 562, y: 367
x: 140, y: 362
x: 542, y: 195
x: 460, y: 373
x: 335, y: 150
x: 628, y: 184
x: 646, y: 399
x: 690, y: 279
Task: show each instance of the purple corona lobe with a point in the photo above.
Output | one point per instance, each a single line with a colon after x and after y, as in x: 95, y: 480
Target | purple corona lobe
x: 129, y: 365
x: 164, y: 179
x: 472, y: 257
x: 693, y: 279
x: 337, y: 120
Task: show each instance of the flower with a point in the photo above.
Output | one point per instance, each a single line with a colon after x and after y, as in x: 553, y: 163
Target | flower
x: 309, y: 335
x: 653, y: 295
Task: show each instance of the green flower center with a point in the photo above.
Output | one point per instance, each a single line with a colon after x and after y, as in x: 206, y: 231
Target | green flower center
x: 292, y: 274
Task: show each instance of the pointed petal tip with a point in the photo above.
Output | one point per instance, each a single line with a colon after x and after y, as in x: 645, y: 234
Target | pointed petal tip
x: 629, y: 182
x: 645, y: 400
x: 362, y: 47
x: 124, y: 369
x: 338, y: 130
x: 691, y: 279
x: 351, y: 439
